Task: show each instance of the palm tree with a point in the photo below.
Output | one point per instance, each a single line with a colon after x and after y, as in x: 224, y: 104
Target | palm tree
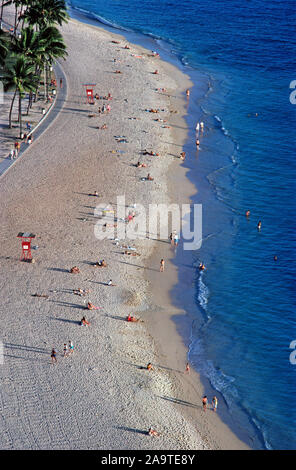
x: 53, y: 47
x: 19, y: 75
x: 55, y: 11
x: 28, y: 44
x: 46, y: 12
x: 4, y: 46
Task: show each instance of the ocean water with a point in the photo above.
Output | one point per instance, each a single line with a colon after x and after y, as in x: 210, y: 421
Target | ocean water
x: 241, y: 57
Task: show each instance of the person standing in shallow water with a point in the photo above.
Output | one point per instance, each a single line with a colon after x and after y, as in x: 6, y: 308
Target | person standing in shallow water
x: 215, y: 403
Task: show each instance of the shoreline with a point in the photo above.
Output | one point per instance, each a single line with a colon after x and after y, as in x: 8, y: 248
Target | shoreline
x: 85, y: 179
x: 180, y: 319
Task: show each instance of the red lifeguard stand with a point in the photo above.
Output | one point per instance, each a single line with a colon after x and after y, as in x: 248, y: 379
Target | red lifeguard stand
x: 26, y: 237
x: 89, y: 88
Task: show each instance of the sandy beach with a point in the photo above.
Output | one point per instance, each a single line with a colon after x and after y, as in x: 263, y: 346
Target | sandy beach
x: 102, y: 396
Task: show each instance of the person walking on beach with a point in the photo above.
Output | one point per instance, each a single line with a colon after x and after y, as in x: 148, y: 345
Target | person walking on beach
x: 53, y: 356
x: 205, y: 403
x: 65, y: 349
x: 17, y: 147
x: 61, y: 83
x: 187, y: 370
x: 215, y: 403
x: 161, y: 268
x: 71, y: 347
x: 176, y: 239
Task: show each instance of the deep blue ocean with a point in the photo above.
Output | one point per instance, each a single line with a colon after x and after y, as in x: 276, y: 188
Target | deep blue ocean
x: 241, y: 57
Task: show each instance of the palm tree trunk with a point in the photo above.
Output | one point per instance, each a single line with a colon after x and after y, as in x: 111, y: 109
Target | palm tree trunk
x: 15, y: 20
x: 20, y: 114
x: 19, y: 19
x: 10, y: 111
x: 30, y: 102
x: 1, y: 14
x: 45, y: 82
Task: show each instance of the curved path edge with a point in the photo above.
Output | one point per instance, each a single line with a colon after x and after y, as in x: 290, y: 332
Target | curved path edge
x: 45, y: 121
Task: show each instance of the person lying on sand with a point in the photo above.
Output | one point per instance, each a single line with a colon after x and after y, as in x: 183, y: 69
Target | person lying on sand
x: 75, y: 270
x: 110, y: 225
x: 132, y: 319
x: 84, y: 322
x: 104, y: 126
x: 150, y: 152
x: 141, y: 165
x: 131, y: 253
x: 95, y: 193
x: 148, y: 178
x: 91, y: 306
x: 155, y: 72
x: 101, y: 264
x: 152, y: 432
x: 40, y: 295
x: 81, y: 292
x: 117, y: 71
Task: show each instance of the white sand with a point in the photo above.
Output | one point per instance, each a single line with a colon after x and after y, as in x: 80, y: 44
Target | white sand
x: 98, y: 398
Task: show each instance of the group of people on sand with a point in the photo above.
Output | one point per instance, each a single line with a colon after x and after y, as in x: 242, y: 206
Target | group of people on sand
x: 67, y: 350
x: 205, y: 403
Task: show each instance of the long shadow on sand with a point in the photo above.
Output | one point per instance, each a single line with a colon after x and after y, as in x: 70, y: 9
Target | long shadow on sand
x: 180, y: 402
x: 115, y: 317
x: 169, y: 368
x: 23, y: 347
x: 26, y: 358
x: 138, y: 431
x: 138, y: 266
x: 60, y: 270
x: 61, y: 303
x: 66, y: 320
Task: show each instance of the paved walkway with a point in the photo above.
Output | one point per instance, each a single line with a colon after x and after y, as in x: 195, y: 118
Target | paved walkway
x: 45, y: 121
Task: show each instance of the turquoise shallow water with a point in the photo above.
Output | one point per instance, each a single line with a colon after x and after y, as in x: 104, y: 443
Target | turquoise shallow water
x: 241, y: 56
